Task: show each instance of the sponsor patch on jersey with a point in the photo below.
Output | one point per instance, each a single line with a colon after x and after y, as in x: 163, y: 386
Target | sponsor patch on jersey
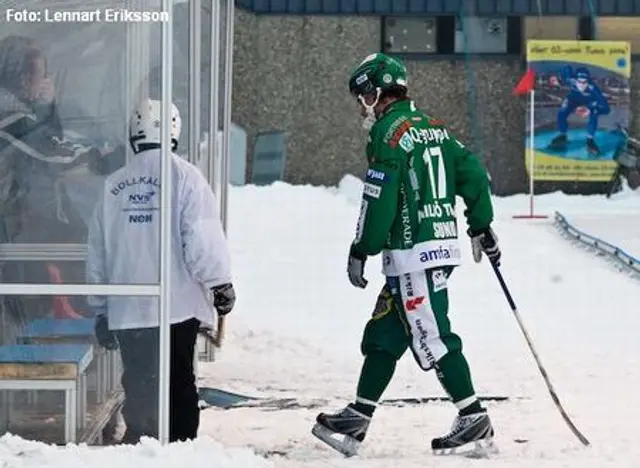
x: 399, y: 132
x: 377, y: 175
x: 361, y: 220
x: 406, y: 143
x: 439, y: 280
x: 371, y: 190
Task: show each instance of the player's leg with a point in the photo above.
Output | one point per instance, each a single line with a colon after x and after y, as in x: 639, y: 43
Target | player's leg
x: 184, y: 413
x: 592, y: 128
x: 139, y: 352
x: 425, y: 301
x: 593, y: 124
x: 384, y: 341
x: 567, y: 108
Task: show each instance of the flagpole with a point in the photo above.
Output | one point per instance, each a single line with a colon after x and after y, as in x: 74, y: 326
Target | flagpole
x: 532, y: 159
x: 531, y: 148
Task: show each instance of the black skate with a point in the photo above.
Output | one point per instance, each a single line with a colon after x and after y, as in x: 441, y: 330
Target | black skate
x: 559, y: 143
x: 350, y: 423
x: 593, y: 148
x: 474, y: 428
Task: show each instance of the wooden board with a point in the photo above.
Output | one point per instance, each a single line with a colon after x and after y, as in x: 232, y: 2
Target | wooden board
x: 37, y: 371
x: 44, y: 361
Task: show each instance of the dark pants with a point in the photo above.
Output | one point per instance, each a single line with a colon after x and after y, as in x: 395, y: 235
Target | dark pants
x: 139, y: 349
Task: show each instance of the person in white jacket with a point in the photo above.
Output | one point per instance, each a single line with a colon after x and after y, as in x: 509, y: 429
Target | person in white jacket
x: 124, y: 248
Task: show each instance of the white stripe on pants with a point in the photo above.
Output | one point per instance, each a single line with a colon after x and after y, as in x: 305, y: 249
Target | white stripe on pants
x: 426, y: 343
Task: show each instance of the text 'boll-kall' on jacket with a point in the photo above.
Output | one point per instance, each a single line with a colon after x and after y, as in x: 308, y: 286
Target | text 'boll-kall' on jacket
x: 124, y: 243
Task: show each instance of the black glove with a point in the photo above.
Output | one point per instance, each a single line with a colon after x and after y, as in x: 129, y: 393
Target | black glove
x: 485, y: 241
x: 224, y: 298
x: 106, y: 338
x: 355, y: 269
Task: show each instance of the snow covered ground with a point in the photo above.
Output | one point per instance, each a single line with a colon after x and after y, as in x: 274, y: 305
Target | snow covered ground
x: 615, y: 228
x: 202, y: 453
x: 298, y: 322
x: 621, y: 232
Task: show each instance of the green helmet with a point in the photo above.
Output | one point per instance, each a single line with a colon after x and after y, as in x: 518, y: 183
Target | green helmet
x: 377, y: 71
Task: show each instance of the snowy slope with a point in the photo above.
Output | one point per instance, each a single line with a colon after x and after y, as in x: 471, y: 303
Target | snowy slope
x: 298, y: 323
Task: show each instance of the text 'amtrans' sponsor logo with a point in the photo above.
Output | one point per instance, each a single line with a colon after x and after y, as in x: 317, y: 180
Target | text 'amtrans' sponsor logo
x: 376, y: 175
x: 411, y: 305
x: 441, y: 253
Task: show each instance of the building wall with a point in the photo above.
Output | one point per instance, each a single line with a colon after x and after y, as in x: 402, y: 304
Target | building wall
x: 291, y: 74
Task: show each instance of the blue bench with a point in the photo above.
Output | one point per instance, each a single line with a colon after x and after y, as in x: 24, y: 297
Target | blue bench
x: 60, y: 367
x: 58, y: 330
x: 50, y: 330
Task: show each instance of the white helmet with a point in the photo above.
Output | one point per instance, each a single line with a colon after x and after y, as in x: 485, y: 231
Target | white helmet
x: 145, y: 128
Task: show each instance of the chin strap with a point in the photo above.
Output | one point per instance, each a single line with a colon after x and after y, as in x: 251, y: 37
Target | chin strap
x: 370, y: 119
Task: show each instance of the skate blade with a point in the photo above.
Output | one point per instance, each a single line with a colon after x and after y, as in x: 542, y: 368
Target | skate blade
x: 483, y: 448
x: 347, y: 446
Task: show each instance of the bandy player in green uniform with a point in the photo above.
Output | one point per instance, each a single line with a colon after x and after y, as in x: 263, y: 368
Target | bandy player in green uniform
x: 416, y: 170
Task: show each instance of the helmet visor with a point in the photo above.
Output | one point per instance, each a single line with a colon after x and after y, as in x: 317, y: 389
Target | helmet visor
x: 361, y: 85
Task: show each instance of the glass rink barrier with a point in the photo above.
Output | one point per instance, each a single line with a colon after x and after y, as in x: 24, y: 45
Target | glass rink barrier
x: 84, y: 304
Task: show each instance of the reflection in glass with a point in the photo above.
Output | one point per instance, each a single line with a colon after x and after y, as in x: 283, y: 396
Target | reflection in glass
x: 59, y: 384
x: 66, y: 93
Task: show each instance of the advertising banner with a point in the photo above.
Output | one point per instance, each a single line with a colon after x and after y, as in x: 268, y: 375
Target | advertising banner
x: 581, y: 103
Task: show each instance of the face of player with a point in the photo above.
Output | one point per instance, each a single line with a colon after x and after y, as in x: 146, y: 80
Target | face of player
x: 365, y: 101
x: 581, y: 84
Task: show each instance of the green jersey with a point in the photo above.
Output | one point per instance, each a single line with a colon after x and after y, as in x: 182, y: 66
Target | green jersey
x: 416, y: 170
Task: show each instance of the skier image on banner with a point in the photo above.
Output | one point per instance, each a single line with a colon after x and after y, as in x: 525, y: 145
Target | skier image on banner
x: 585, y: 94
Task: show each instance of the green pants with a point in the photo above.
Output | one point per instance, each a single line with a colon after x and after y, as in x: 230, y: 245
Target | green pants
x: 412, y: 312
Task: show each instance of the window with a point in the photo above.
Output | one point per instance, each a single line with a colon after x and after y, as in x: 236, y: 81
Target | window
x: 409, y: 35
x: 450, y: 35
x: 481, y: 35
x: 551, y: 27
x: 619, y: 29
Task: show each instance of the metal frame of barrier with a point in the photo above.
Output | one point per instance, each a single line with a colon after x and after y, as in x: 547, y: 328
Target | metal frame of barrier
x: 622, y: 259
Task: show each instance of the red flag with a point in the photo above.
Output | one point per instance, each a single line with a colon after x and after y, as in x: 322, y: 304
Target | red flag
x: 526, y: 83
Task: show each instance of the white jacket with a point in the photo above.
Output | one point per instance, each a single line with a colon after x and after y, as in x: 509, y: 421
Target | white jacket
x: 124, y: 243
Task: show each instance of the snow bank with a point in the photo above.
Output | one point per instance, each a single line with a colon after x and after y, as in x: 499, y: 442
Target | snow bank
x: 201, y: 453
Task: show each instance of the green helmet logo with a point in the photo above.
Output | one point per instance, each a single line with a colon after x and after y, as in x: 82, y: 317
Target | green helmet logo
x: 377, y: 71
